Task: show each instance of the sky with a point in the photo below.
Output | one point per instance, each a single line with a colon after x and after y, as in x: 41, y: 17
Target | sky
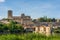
x: 33, y: 8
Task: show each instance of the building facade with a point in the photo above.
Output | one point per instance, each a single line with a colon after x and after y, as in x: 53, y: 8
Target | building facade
x: 20, y: 19
x: 43, y: 30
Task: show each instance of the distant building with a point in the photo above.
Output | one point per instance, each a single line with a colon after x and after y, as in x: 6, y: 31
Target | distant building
x: 26, y: 22
x: 10, y: 14
x: 21, y: 19
x: 58, y: 20
x: 43, y: 29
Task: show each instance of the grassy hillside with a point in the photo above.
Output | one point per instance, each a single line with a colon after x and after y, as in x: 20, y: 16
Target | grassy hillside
x: 28, y: 36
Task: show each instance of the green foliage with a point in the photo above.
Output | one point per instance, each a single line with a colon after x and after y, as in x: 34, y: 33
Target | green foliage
x: 28, y: 36
x: 57, y: 30
x: 45, y: 19
x: 11, y: 27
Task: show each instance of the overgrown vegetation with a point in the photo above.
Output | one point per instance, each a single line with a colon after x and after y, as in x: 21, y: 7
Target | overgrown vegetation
x: 12, y: 27
x: 28, y: 36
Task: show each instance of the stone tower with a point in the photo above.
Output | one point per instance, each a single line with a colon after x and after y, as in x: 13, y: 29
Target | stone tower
x: 9, y: 14
x: 22, y: 15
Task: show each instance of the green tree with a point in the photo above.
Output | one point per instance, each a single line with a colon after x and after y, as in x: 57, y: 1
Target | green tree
x: 45, y: 19
x: 49, y: 20
x: 42, y: 19
x: 13, y: 27
x: 53, y: 20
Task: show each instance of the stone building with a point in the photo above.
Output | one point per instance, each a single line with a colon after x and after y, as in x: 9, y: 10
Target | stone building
x: 20, y: 19
x: 58, y: 20
x: 10, y: 14
x: 43, y: 29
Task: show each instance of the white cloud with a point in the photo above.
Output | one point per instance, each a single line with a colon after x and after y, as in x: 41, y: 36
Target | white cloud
x: 1, y: 17
x: 2, y: 0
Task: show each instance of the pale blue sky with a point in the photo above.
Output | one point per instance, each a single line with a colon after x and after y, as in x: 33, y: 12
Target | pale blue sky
x: 34, y: 8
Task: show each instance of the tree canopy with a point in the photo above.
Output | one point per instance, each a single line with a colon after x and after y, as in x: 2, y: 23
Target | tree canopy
x: 12, y: 27
x: 46, y: 19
